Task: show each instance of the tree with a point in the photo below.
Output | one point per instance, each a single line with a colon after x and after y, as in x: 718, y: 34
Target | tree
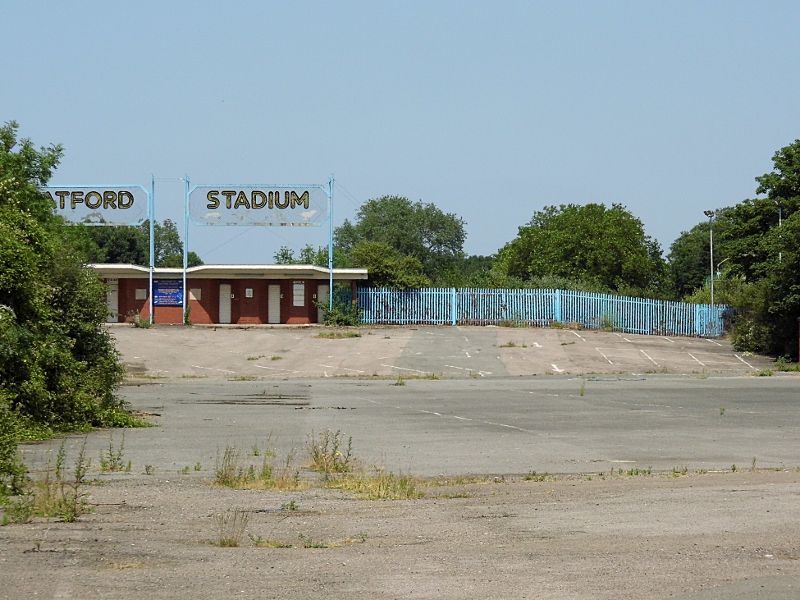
x: 387, y: 266
x: 131, y: 245
x: 412, y: 229
x: 58, y: 365
x: 602, y: 247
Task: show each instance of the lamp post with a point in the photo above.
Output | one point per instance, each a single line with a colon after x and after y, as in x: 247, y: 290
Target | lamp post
x: 779, y: 202
x: 719, y: 264
x: 710, y: 215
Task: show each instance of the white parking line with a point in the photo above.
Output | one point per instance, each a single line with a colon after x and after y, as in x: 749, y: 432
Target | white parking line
x: 404, y: 369
x: 669, y: 340
x: 578, y: 334
x: 745, y: 362
x: 604, y: 356
x: 648, y: 357
x: 343, y: 368
x: 212, y: 369
x: 556, y: 369
x: 712, y: 341
x: 276, y: 369
x: 702, y: 364
x: 537, y: 345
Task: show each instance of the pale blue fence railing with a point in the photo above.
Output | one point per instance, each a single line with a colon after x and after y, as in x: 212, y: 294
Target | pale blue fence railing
x: 537, y: 307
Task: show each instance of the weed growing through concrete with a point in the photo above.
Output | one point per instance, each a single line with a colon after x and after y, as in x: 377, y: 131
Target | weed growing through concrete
x: 678, y: 471
x: 111, y: 460
x: 55, y: 495
x: 231, y: 526
x: 400, y: 381
x: 149, y: 469
x: 183, y: 470
x: 330, y: 453
x: 198, y: 466
x: 753, y: 467
x: 378, y: 486
x: 721, y: 411
x: 733, y: 468
x: 234, y: 472
x: 260, y: 542
x: 338, y: 335
x: 534, y: 476
x: 582, y: 390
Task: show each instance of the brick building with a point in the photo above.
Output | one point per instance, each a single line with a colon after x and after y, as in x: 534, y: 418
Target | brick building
x: 238, y: 294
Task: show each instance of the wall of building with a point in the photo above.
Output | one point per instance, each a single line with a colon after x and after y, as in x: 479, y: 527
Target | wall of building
x: 204, y: 299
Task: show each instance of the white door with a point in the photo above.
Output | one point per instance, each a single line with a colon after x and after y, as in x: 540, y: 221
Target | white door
x: 323, y: 292
x: 224, y: 302
x: 274, y: 304
x: 112, y: 300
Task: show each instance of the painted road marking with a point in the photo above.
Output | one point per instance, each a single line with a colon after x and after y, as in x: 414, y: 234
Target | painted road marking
x: 648, y: 357
x: 604, y: 356
x: 212, y: 369
x: 713, y: 342
x: 556, y: 369
x: 343, y: 368
x: 404, y: 369
x: 697, y: 359
x: 669, y: 340
x: 537, y: 344
x: 481, y: 373
x: 276, y: 369
x: 578, y: 334
x: 745, y: 362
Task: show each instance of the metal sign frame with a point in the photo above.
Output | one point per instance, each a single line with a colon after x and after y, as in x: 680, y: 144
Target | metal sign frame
x: 326, y: 189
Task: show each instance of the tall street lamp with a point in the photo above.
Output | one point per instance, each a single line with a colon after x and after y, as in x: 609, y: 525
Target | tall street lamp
x: 710, y: 215
x: 779, y: 202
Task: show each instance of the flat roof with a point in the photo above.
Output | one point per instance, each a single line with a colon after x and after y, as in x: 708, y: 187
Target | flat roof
x: 129, y: 271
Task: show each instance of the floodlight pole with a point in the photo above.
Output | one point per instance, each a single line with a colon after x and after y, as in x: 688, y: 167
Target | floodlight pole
x: 330, y: 243
x: 185, y: 242
x: 710, y: 215
x: 152, y: 211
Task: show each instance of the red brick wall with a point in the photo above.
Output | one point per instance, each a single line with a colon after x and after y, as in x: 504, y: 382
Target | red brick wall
x: 206, y: 310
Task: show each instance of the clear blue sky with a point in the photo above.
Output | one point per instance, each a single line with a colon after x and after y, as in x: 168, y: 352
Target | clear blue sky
x: 488, y: 110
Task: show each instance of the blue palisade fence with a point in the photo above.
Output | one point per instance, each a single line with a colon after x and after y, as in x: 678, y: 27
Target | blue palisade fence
x: 537, y: 307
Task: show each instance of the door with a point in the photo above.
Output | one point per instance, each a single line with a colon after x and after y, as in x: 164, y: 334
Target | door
x: 112, y: 300
x: 224, y: 302
x: 323, y: 291
x: 274, y: 303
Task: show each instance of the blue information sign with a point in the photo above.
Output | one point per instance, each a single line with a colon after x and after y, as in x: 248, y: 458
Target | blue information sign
x: 168, y: 292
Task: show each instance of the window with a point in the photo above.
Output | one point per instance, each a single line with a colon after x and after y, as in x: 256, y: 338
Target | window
x: 248, y: 292
x: 298, y: 293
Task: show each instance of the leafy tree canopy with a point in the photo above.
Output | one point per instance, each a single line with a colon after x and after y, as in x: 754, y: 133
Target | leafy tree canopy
x: 413, y: 229
x: 603, y: 247
x: 58, y: 366
x: 131, y: 245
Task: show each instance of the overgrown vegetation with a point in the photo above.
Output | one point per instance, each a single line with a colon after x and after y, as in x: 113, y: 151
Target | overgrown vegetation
x: 58, y: 494
x: 58, y: 366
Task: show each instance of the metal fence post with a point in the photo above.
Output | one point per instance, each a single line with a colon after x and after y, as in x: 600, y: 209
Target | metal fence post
x: 453, y: 307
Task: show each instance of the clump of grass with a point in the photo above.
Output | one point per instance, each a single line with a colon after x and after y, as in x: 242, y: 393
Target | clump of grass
x: 231, y: 526
x: 198, y: 466
x: 721, y: 411
x: 260, y: 542
x: 183, y: 470
x: 400, y: 381
x: 232, y: 471
x: 379, y: 486
x: 637, y: 472
x: 255, y: 357
x: 111, y: 460
x: 534, y: 476
x: 330, y: 453
x: 753, y: 467
x: 55, y: 495
x: 275, y: 357
x: 678, y: 471
x: 338, y: 335
x: 149, y: 469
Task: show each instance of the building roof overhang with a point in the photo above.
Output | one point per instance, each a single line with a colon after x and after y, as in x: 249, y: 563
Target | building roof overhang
x: 128, y: 271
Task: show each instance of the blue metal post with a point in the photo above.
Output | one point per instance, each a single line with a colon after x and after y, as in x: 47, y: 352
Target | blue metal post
x: 453, y: 307
x: 330, y: 243
x: 185, y: 243
x: 151, y: 209
x: 557, y: 306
